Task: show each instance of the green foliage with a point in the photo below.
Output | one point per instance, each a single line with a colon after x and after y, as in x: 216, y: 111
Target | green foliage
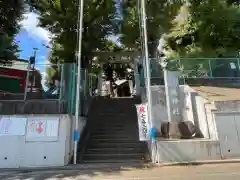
x: 60, y: 17
x: 159, y: 16
x: 11, y: 13
x: 207, y: 28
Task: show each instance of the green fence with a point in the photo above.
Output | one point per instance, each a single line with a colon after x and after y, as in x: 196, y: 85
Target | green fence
x: 207, y: 67
x: 197, y: 68
x: 56, y: 82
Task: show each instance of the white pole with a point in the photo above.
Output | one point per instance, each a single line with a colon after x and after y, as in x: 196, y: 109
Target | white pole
x: 148, y: 77
x: 80, y: 21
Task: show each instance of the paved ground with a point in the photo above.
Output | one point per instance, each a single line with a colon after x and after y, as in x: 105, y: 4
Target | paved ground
x: 199, y: 172
x: 218, y: 93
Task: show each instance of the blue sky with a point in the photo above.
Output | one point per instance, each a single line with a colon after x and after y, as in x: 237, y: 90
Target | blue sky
x: 31, y: 36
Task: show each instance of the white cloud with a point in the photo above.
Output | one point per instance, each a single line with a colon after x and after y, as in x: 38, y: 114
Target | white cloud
x: 30, y: 24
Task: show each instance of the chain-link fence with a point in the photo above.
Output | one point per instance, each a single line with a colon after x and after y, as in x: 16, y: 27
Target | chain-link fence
x: 196, y: 69
x: 53, y: 84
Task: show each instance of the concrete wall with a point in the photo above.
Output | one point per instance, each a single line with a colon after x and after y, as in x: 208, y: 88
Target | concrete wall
x: 159, y: 107
x: 32, y: 107
x: 228, y: 127
x: 219, y: 123
x: 186, y: 103
x: 184, y: 151
x: 193, y: 108
x: 22, y: 146
x: 227, y: 106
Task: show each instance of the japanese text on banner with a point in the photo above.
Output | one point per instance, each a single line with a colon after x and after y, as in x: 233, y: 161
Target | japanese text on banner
x: 143, y: 123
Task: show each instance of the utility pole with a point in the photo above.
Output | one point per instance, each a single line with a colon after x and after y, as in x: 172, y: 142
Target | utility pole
x: 32, y: 62
x: 79, y: 54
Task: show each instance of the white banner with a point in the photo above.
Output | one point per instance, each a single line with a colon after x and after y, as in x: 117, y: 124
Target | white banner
x: 12, y: 126
x: 143, y: 122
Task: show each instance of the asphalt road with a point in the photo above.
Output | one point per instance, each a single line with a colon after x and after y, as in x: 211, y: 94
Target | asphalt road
x: 199, y: 172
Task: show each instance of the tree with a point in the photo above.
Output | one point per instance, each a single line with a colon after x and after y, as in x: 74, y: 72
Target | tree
x: 60, y: 17
x: 206, y: 28
x: 159, y: 16
x: 11, y: 13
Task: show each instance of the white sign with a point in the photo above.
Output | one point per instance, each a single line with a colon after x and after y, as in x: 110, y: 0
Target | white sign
x: 36, y: 128
x: 52, y: 128
x: 42, y: 129
x: 12, y: 126
x: 143, y: 122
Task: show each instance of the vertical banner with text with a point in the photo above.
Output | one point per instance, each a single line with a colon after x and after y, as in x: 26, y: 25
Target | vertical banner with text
x: 143, y: 122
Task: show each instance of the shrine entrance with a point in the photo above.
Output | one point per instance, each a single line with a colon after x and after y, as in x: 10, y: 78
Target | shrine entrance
x: 117, y: 76
x: 112, y: 118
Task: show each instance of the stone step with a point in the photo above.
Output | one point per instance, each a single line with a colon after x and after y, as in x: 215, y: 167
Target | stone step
x: 116, y: 145
x: 114, y: 139
x: 123, y: 150
x: 107, y: 136
x: 115, y: 132
x: 114, y: 161
x: 116, y: 156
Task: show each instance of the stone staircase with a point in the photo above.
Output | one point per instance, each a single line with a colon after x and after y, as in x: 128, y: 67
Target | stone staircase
x: 113, y: 133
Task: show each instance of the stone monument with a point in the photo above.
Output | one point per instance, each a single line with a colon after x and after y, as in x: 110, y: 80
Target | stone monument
x: 175, y: 127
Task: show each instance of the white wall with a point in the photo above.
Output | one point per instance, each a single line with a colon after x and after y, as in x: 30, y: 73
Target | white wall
x: 228, y: 127
x: 186, y: 103
x: 199, y: 111
x: 26, y: 148
x: 201, y: 116
x: 159, y: 108
x: 185, y: 151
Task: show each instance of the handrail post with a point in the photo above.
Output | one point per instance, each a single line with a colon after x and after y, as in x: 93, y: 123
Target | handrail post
x: 210, y: 68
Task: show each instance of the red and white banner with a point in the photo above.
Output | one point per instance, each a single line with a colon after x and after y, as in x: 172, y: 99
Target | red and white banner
x: 143, y: 122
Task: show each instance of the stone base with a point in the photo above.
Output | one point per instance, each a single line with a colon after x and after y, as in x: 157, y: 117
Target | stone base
x: 178, y: 130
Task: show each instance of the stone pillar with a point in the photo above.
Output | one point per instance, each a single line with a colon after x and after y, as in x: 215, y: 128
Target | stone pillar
x: 100, y: 79
x: 176, y: 127
x: 172, y: 96
x: 136, y: 78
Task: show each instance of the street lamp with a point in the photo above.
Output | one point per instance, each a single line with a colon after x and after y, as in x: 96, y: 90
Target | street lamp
x: 33, y: 62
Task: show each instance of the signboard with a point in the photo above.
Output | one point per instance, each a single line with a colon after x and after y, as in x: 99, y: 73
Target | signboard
x: 42, y: 129
x: 12, y: 126
x: 143, y: 122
